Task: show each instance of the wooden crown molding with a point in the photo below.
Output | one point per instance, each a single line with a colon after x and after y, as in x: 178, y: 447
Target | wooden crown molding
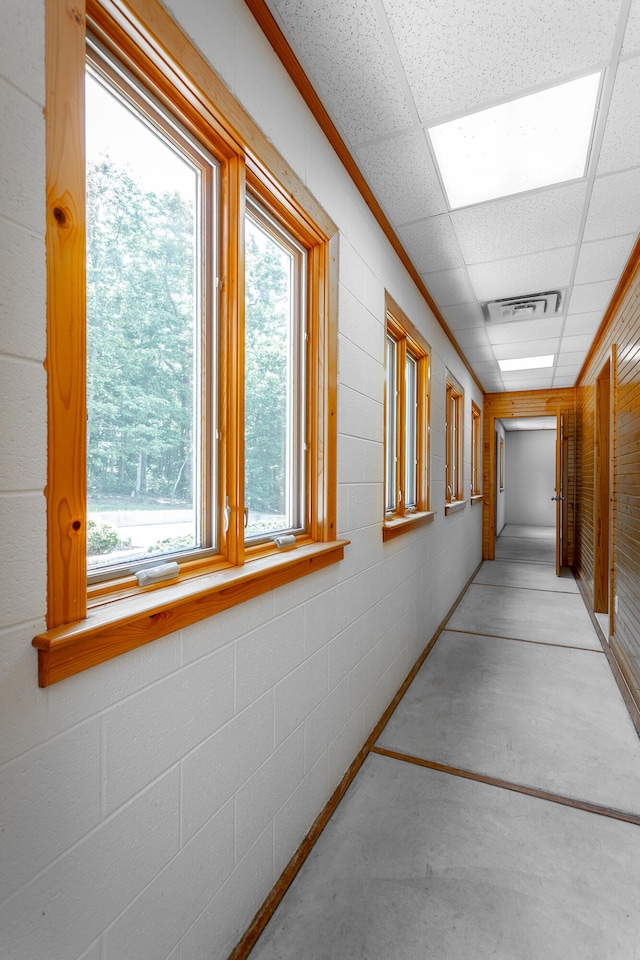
x: 276, y: 38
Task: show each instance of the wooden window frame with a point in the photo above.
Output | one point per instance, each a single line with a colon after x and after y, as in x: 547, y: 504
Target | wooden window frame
x: 86, y: 627
x: 410, y: 341
x: 454, y: 433
x: 476, y: 453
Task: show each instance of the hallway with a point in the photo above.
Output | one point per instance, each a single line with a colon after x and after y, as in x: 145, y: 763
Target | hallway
x: 498, y: 814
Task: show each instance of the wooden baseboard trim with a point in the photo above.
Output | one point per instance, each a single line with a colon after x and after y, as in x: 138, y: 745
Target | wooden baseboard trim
x: 513, y: 787
x: 615, y: 656
x: 266, y: 911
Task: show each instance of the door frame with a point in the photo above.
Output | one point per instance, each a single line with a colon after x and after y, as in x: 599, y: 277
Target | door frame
x: 505, y: 406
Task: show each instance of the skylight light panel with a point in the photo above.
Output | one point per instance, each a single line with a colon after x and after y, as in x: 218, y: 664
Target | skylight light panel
x: 534, y: 141
x: 526, y: 363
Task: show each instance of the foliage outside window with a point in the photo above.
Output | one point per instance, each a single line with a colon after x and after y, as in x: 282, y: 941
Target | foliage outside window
x: 406, y: 423
x: 191, y: 343
x: 453, y: 415
x: 476, y: 447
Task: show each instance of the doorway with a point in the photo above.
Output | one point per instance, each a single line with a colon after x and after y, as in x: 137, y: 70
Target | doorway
x: 602, y: 497
x: 525, y: 482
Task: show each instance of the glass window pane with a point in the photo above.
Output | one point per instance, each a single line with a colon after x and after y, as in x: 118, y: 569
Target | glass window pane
x: 392, y: 416
x: 411, y: 400
x: 273, y: 382
x: 143, y: 332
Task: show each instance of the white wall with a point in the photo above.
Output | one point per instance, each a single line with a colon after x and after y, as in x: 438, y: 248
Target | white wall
x: 531, y: 468
x: 149, y: 804
x: 501, y: 494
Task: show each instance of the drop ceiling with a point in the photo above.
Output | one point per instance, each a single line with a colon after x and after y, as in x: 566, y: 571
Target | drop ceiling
x: 386, y: 70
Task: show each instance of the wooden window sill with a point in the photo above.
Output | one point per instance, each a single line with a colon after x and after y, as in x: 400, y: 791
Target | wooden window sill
x: 113, y: 628
x: 476, y: 498
x: 399, y: 525
x: 453, y: 506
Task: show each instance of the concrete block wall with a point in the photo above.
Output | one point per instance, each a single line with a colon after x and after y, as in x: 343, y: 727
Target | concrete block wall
x: 149, y: 805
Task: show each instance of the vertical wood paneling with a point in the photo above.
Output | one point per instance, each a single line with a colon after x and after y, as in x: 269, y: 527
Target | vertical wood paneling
x: 618, y: 339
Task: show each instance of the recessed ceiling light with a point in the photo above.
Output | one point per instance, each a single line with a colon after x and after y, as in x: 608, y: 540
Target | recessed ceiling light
x: 530, y: 142
x: 526, y: 363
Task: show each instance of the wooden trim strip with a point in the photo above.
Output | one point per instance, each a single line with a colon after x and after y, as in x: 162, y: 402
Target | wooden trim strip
x: 538, y: 643
x: 266, y: 911
x: 276, y: 38
x: 65, y: 244
x: 514, y: 787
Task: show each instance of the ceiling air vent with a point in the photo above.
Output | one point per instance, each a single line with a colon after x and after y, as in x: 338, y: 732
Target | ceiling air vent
x: 534, y: 307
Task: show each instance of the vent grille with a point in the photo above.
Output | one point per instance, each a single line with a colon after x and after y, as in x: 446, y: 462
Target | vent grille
x: 532, y: 307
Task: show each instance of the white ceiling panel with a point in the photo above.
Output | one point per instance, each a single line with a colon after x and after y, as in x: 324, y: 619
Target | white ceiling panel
x: 387, y: 69
x: 457, y: 57
x: 562, y: 379
x: 463, y: 316
x: 343, y: 48
x: 449, y: 286
x: 528, y: 223
x: 432, y: 244
x: 615, y: 206
x: 512, y: 382
x: 526, y: 348
x: 581, y: 323
x: 579, y: 344
x: 524, y: 330
x: 621, y: 145
x: 403, y: 177
x: 589, y: 297
x: 534, y: 273
x: 632, y: 34
x: 603, y: 259
x: 472, y: 337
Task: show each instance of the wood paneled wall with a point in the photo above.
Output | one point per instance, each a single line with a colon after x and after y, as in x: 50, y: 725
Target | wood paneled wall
x: 618, y: 342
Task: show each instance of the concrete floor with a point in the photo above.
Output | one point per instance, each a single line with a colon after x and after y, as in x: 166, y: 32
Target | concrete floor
x: 508, y: 850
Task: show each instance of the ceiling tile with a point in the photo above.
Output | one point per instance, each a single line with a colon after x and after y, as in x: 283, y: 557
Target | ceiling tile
x: 632, y: 34
x: 580, y: 323
x: 449, y: 286
x: 512, y: 382
x: 463, y: 316
x: 528, y: 223
x: 562, y: 379
x: 534, y: 273
x: 525, y: 348
x: 614, y: 209
x: 621, y: 144
x: 401, y: 173
x: 461, y: 61
x: 432, y: 244
x: 603, y: 259
x: 479, y: 355
x: 575, y: 344
x: 588, y: 297
x: 572, y: 359
x: 343, y: 49
x: 524, y: 330
x: 472, y: 337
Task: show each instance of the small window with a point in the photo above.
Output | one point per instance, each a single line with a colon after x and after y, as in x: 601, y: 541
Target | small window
x: 453, y: 413
x: 476, y: 447
x: 406, y: 421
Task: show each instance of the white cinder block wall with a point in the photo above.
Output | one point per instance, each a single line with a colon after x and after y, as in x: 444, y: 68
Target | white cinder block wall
x: 148, y: 805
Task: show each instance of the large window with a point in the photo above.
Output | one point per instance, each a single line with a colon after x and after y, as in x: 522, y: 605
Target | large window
x: 453, y: 422
x: 406, y: 424
x: 191, y: 345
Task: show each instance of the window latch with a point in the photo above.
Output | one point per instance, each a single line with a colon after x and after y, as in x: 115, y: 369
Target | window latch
x: 226, y: 515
